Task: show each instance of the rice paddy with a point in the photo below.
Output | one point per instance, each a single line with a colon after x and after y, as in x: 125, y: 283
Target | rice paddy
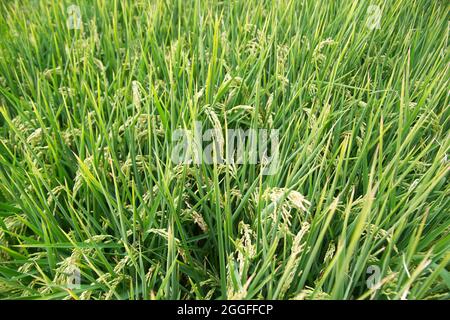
x: 94, y: 205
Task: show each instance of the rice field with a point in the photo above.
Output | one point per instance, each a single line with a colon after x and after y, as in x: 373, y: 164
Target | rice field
x: 103, y: 194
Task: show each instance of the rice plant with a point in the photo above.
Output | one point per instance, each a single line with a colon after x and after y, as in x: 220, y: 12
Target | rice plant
x: 93, y: 206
